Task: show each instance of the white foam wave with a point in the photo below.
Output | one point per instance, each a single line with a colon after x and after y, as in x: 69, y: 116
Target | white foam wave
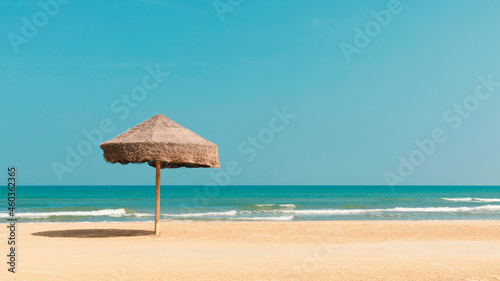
x: 330, y: 211
x: 281, y: 218
x: 105, y: 212
x: 140, y: 215
x: 271, y: 205
x: 450, y: 209
x: 208, y: 214
x: 466, y: 199
x: 487, y: 199
x: 397, y: 209
x: 470, y: 199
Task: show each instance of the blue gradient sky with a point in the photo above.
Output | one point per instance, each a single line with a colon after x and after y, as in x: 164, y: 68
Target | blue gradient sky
x: 353, y: 120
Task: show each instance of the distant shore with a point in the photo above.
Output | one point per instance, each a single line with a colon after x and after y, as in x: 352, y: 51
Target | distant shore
x: 300, y: 250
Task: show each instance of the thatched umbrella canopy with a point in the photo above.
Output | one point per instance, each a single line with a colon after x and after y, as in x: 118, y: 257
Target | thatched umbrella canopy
x: 161, y: 143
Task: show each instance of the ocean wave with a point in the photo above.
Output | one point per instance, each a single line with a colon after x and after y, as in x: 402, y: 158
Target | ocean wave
x: 285, y: 213
x: 140, y: 215
x: 42, y: 215
x: 470, y: 199
x: 329, y: 211
x: 450, y: 209
x: 397, y: 209
x: 280, y: 218
x: 288, y: 214
x: 276, y: 205
x: 196, y: 215
x: 488, y: 200
x: 466, y: 199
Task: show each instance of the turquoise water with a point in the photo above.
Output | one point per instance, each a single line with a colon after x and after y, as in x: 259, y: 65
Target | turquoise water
x: 255, y: 203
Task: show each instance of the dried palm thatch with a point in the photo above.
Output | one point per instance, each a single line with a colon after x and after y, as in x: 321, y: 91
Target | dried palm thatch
x: 161, y: 139
x: 161, y: 143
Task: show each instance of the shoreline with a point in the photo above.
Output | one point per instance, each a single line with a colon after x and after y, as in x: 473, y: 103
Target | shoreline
x: 264, y: 221
x: 227, y: 250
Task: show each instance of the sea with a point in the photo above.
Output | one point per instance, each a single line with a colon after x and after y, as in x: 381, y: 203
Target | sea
x: 254, y: 203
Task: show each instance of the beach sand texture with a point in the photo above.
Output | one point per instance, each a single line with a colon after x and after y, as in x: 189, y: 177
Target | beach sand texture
x: 329, y: 250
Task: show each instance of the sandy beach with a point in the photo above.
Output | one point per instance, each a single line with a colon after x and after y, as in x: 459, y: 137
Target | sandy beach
x: 330, y: 250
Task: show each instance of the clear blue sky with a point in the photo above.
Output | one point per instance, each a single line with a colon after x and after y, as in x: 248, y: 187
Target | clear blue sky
x: 229, y: 68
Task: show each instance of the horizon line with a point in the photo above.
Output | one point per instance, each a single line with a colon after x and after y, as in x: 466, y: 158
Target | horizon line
x: 336, y: 185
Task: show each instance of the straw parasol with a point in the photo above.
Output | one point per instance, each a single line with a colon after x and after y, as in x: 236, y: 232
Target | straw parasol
x: 161, y: 143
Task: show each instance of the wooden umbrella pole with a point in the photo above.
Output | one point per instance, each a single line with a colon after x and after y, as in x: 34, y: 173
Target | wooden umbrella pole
x: 157, y: 203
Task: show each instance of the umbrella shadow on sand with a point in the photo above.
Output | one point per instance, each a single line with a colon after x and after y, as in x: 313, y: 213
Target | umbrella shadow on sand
x: 94, y: 233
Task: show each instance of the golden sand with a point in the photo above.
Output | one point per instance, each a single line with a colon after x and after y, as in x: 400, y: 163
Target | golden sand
x: 333, y: 250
